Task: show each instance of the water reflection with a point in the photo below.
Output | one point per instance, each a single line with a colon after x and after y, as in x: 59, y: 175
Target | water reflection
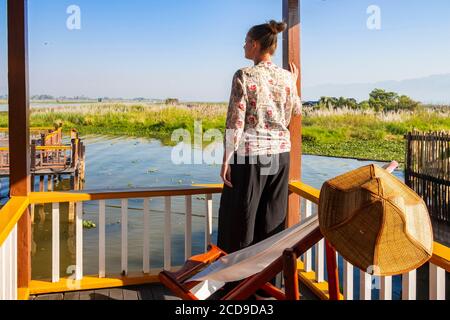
x: 128, y: 163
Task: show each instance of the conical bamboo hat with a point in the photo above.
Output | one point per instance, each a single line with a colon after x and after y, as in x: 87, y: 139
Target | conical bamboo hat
x: 375, y: 221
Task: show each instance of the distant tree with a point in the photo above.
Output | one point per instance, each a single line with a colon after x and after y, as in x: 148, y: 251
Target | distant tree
x: 324, y: 102
x: 364, y: 105
x: 352, y: 103
x: 42, y: 97
x: 171, y: 101
x: 380, y: 100
x: 406, y: 103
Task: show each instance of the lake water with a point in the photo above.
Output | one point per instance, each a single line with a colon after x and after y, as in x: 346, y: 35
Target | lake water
x: 130, y: 162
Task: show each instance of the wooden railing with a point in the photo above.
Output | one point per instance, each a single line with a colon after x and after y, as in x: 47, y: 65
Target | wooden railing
x: 48, y: 152
x: 122, y: 276
x: 42, y: 157
x: 311, y: 266
x: 9, y: 216
x: 54, y: 138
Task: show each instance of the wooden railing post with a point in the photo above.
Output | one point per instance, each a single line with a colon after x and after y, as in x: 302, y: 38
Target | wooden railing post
x: 43, y: 138
x: 33, y: 155
x: 74, y: 143
x: 291, y: 53
x: 19, y: 135
x: 290, y: 275
x: 332, y: 271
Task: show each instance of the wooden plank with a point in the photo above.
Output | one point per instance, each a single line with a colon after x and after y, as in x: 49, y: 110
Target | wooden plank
x: 101, y: 294
x: 3, y: 267
x: 162, y: 293
x: 348, y: 280
x: 386, y: 288
x: 365, y: 286
x: 146, y: 237
x: 92, y: 282
x: 10, y: 215
x: 124, y: 231
x: 307, y: 257
x: 319, y: 255
x: 72, y: 295
x: 86, y: 195
x: 291, y: 53
x: 130, y: 294
x: 53, y: 296
x: 188, y: 229
x: 15, y: 294
x: 87, y: 295
x: 55, y: 242
x: 101, y: 240
x: 145, y: 293
x: 436, y: 283
x: 116, y: 293
x: 290, y: 275
x: 79, y: 241
x: 167, y: 233
x: 10, y: 283
x: 409, y: 285
x: 332, y: 271
x: 208, y: 221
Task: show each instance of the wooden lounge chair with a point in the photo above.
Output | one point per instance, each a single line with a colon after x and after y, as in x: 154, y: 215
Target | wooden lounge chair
x: 180, y: 282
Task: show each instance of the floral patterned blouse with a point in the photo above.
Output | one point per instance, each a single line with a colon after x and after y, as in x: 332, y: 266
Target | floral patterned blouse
x: 262, y: 101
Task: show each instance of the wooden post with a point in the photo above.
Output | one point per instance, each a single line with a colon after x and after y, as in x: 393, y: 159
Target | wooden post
x: 71, y: 208
x: 291, y: 53
x: 332, y: 271
x: 32, y: 205
x: 33, y: 158
x: 49, y: 183
x: 290, y: 274
x: 74, y: 160
x: 43, y: 139
x: 19, y: 135
x: 83, y: 165
x: 40, y: 207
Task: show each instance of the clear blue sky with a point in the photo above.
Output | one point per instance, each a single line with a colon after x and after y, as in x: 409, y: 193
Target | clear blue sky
x: 190, y: 48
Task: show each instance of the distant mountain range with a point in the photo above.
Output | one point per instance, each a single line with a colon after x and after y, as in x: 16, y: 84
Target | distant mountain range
x: 431, y: 89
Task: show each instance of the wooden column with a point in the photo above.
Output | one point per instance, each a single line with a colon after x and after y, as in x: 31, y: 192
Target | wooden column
x: 18, y: 118
x: 291, y: 53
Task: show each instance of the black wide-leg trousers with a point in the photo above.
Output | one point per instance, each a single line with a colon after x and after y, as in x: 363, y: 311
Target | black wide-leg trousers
x: 255, y: 207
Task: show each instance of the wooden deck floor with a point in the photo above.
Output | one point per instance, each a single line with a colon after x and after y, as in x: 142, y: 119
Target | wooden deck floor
x: 142, y: 292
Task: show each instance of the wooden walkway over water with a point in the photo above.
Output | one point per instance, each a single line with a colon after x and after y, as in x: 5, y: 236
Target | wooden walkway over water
x: 49, y: 155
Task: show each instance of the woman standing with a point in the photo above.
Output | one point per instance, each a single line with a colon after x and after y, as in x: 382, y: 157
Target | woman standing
x: 255, y: 168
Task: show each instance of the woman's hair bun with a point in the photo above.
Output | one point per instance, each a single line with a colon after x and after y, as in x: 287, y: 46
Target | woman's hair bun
x: 277, y: 27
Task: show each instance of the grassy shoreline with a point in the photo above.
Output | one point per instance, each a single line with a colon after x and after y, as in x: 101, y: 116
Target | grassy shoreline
x: 337, y: 133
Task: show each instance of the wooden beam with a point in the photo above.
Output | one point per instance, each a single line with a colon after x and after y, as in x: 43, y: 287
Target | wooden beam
x: 291, y: 53
x: 19, y: 136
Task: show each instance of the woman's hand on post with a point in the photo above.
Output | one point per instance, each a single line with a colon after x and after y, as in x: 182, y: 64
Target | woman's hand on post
x: 295, y: 71
x: 225, y: 174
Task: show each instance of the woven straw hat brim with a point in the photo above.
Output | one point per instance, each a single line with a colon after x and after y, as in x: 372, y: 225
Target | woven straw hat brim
x: 375, y: 221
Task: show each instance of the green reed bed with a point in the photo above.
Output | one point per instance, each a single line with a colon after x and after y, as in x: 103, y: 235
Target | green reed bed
x: 341, y: 133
